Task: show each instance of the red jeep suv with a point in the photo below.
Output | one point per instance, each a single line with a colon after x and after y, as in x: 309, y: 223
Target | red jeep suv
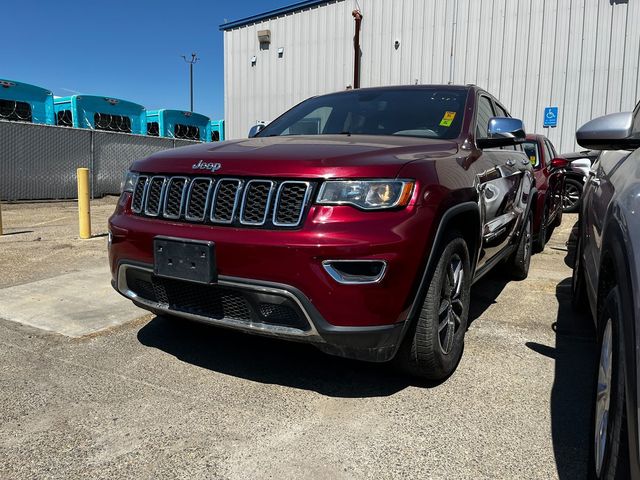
x: 357, y: 221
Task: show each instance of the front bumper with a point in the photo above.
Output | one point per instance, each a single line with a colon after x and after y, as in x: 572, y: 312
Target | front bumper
x: 305, y: 324
x: 362, y: 321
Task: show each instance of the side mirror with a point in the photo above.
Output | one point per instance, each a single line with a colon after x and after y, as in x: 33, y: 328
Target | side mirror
x: 255, y: 130
x: 503, y: 132
x: 581, y: 163
x: 610, y: 132
x: 558, y: 163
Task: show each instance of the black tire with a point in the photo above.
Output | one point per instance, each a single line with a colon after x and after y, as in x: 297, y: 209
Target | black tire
x: 521, y: 258
x: 558, y: 220
x: 571, y: 195
x: 579, y: 300
x: 433, y: 346
x: 541, y: 238
x: 609, y: 394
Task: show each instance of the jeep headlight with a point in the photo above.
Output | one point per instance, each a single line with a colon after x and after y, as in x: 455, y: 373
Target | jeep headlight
x: 366, y: 194
x: 129, y: 182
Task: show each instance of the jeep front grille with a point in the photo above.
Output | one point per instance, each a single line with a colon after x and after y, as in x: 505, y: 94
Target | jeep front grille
x: 224, y: 201
x: 255, y: 202
x: 198, y: 199
x: 155, y: 192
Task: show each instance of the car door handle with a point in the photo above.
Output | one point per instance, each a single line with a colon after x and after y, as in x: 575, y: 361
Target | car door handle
x: 510, y: 162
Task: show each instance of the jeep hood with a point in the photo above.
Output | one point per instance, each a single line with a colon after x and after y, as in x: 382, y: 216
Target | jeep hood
x: 317, y: 156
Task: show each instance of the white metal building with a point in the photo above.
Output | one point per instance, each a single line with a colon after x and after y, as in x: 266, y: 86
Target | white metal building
x: 582, y: 56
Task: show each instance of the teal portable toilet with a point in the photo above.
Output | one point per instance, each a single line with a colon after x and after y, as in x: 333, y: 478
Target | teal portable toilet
x: 100, y: 113
x: 217, y: 131
x: 178, y: 124
x: 21, y: 102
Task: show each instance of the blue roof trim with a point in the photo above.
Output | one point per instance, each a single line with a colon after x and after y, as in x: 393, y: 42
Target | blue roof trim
x: 272, y: 13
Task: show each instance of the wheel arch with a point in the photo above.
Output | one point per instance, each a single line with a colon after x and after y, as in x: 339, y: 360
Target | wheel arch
x: 464, y: 217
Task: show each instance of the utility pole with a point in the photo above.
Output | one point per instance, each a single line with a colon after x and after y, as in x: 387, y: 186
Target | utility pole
x: 191, y: 62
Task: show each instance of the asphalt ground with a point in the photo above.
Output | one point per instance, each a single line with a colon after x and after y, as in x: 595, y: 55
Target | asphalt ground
x: 162, y: 398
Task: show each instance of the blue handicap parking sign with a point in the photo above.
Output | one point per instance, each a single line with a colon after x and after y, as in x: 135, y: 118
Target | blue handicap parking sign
x: 551, y: 117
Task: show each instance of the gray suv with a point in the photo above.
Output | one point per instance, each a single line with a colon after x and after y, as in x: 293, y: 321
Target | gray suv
x: 606, y: 277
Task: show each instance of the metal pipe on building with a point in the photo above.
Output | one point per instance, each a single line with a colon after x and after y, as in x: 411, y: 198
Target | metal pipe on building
x: 453, y: 40
x: 357, y: 15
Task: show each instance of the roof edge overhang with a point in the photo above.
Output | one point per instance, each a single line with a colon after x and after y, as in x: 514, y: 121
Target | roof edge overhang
x: 272, y: 13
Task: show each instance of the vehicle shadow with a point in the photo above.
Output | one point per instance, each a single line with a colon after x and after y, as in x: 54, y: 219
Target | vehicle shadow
x: 270, y: 361
x: 485, y: 292
x: 571, y: 396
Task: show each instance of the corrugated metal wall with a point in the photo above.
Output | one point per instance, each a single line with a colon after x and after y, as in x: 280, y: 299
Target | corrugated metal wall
x: 318, y: 58
x: 580, y: 55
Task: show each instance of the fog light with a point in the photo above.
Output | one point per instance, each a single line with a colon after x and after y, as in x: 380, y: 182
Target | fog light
x: 352, y: 272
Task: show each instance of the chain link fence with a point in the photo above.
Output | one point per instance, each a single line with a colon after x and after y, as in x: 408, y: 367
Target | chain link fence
x: 39, y: 162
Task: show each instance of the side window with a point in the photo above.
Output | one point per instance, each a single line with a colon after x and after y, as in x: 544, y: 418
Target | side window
x: 501, y: 112
x: 531, y: 149
x: 484, y: 113
x: 548, y: 152
x: 554, y: 153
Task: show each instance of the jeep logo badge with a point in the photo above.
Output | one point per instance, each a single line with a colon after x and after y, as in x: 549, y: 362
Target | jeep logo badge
x: 213, y: 167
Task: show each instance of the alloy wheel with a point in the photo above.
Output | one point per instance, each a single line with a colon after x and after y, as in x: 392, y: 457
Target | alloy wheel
x: 603, y: 396
x: 451, y: 306
x: 570, y: 196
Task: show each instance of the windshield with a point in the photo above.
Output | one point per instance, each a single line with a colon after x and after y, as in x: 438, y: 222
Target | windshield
x: 531, y: 149
x: 420, y: 112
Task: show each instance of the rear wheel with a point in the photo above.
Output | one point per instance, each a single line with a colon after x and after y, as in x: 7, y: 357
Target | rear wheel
x: 571, y: 195
x: 578, y: 289
x: 521, y: 258
x: 541, y: 239
x: 433, y: 347
x: 608, y: 458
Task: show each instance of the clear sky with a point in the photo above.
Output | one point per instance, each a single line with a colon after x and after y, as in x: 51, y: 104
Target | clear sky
x: 127, y: 49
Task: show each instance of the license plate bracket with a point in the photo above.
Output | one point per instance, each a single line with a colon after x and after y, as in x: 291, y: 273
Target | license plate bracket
x: 185, y: 259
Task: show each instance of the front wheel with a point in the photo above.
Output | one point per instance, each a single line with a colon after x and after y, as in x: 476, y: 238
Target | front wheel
x: 608, y: 456
x: 433, y: 347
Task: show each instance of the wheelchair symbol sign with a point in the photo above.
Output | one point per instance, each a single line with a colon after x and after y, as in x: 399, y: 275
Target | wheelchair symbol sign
x: 551, y: 117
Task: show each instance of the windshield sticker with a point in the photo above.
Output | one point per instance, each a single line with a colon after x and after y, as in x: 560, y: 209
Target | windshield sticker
x: 447, y: 119
x: 532, y: 159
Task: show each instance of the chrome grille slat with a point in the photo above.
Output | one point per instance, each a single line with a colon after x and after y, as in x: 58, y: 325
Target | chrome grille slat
x: 256, y: 201
x: 291, y: 201
x: 137, y: 202
x: 198, y: 199
x: 154, y: 195
x: 225, y: 200
x: 253, y: 202
x: 174, y: 197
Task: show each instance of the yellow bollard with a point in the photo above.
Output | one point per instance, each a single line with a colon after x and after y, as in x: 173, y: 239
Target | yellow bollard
x: 84, y: 207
